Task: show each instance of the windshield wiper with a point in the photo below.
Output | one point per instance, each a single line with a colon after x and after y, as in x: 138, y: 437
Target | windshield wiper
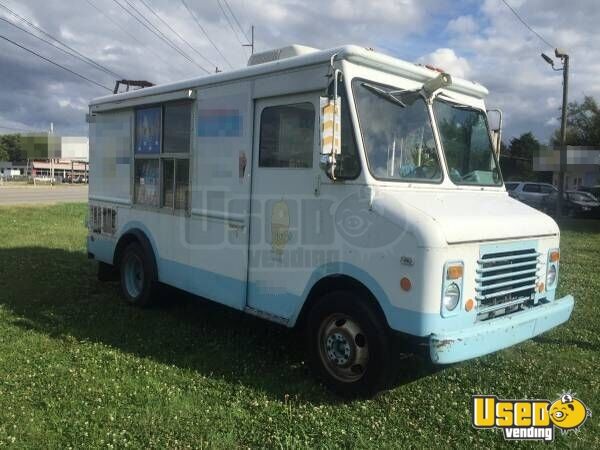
x: 388, y: 95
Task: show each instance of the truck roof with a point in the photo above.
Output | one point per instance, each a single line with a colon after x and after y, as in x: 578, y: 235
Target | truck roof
x: 351, y: 53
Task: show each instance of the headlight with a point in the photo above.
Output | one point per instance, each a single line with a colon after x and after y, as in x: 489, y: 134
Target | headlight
x: 451, y: 297
x: 551, y: 275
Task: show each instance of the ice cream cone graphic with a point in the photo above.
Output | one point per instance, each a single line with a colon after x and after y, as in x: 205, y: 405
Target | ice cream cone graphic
x: 280, y: 225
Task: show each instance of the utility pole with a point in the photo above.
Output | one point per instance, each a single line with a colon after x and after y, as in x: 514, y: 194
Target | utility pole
x: 563, y: 125
x: 251, y: 44
x: 563, y: 130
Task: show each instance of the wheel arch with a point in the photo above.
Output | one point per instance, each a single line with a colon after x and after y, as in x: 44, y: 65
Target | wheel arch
x: 135, y: 235
x: 338, y: 282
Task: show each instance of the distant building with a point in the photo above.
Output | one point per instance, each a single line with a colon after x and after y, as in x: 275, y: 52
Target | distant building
x: 9, y: 169
x: 583, y: 166
x: 60, y: 170
x: 75, y: 148
x: 44, y: 146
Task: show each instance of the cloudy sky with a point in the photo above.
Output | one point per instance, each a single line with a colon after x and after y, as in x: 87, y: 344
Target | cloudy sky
x: 479, y: 40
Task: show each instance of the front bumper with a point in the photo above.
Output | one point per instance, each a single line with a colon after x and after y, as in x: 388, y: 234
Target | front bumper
x: 496, y: 334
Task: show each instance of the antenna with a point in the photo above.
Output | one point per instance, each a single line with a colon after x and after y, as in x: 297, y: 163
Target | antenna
x: 251, y: 44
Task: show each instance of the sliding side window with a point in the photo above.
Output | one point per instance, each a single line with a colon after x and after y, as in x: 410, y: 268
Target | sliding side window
x: 162, y: 155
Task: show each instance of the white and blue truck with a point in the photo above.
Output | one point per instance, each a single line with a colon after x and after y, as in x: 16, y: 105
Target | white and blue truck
x: 344, y: 191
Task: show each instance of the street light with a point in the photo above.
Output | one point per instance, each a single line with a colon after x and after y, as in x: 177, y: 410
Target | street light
x: 549, y: 60
x: 563, y: 123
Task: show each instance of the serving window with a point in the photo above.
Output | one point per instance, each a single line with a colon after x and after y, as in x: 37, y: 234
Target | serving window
x: 162, y: 155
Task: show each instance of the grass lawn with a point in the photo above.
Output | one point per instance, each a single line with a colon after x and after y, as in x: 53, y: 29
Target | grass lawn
x: 78, y: 368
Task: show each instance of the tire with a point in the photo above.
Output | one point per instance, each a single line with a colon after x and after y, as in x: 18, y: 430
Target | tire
x: 349, y: 347
x: 138, y: 278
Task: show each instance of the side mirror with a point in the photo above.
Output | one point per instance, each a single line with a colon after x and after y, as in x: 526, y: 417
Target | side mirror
x: 496, y: 132
x: 331, y: 136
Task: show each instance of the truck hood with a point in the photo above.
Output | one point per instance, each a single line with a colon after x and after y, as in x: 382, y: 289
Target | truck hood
x: 462, y: 216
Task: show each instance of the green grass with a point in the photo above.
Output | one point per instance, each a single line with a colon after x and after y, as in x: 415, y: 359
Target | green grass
x: 78, y: 368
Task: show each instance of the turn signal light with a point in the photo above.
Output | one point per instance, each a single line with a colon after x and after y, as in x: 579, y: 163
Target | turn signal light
x: 405, y: 284
x: 454, y: 272
x: 554, y: 256
x: 469, y: 305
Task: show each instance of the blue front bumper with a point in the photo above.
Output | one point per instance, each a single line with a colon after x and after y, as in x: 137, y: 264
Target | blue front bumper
x: 490, y: 336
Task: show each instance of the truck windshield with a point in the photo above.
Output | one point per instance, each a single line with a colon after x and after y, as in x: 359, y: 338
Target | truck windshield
x: 397, y: 134
x: 466, y: 142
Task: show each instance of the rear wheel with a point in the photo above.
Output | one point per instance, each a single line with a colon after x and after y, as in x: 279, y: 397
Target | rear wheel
x: 349, y: 346
x: 138, y: 280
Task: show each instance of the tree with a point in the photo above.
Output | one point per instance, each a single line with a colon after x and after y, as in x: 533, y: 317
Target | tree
x: 583, y: 124
x: 517, y: 159
x: 3, y: 154
x: 11, y: 148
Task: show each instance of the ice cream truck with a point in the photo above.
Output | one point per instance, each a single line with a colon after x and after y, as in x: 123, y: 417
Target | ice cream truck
x: 347, y: 192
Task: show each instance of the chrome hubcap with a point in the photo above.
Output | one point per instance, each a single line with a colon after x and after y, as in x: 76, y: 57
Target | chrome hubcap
x: 343, y: 348
x: 134, y: 275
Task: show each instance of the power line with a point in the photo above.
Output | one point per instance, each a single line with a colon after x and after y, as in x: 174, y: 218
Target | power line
x: 122, y: 28
x: 32, y: 25
x: 150, y: 27
x: 166, y: 38
x: 229, y: 22
x: 236, y: 20
x: 17, y: 129
x: 205, y: 33
x: 47, y: 42
x: 527, y: 25
x: 145, y: 26
x: 159, y: 34
x: 176, y: 33
x: 55, y: 64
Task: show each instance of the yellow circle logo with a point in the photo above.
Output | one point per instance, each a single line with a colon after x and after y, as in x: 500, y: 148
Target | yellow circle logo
x: 568, y: 412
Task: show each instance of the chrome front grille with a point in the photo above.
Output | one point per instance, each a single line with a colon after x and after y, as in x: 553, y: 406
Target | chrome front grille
x: 505, y: 281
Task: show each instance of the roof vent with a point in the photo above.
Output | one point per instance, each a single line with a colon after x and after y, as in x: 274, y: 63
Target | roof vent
x: 280, y: 53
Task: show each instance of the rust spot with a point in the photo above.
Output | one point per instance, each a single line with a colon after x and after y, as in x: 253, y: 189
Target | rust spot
x: 443, y: 343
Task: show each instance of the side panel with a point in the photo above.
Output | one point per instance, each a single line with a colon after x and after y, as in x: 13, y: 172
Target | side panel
x: 207, y: 252
x: 110, y: 156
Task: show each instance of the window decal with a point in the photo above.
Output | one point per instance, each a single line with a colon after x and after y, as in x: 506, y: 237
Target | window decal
x: 148, y: 131
x: 219, y: 123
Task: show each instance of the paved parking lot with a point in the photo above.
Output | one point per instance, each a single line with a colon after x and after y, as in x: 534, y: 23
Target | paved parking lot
x: 15, y: 195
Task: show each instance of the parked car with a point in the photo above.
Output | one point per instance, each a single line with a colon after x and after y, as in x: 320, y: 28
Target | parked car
x: 530, y: 193
x: 576, y: 204
x: 594, y: 190
x: 511, y: 186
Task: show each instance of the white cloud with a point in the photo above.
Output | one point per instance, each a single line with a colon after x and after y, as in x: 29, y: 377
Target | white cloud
x: 505, y: 57
x: 485, y: 42
x: 462, y: 25
x: 447, y: 60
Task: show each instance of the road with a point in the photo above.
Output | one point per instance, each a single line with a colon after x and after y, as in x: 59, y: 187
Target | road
x: 20, y: 195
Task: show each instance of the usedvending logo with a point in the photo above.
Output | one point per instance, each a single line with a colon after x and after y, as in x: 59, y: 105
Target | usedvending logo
x: 529, y: 419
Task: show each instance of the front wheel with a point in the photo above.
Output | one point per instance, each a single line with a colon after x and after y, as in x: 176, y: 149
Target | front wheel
x: 348, y: 345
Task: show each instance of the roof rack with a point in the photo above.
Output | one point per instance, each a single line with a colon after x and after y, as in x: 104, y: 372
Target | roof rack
x: 131, y: 83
